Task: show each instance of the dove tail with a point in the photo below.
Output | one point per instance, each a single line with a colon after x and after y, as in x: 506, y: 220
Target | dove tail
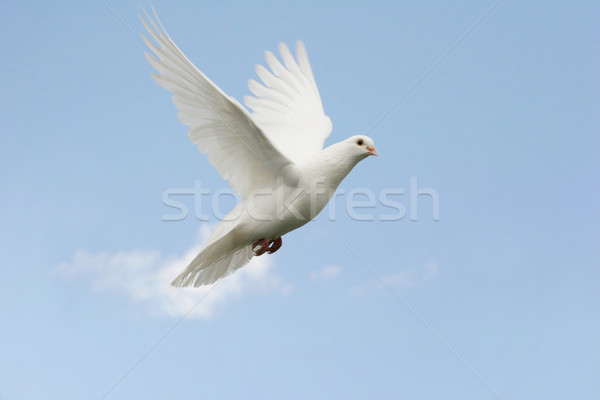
x: 217, y: 260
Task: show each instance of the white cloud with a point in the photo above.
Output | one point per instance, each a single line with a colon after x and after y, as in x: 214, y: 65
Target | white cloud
x: 413, y: 276
x: 145, y: 276
x: 326, y: 273
x: 408, y: 278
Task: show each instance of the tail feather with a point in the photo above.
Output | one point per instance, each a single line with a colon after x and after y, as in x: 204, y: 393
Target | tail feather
x: 217, y: 260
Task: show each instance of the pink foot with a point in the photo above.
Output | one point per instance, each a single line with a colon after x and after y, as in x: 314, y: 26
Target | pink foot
x: 260, y: 247
x: 275, y: 245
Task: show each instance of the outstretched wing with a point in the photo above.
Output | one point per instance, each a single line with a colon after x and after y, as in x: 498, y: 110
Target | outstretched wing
x: 219, y: 125
x: 287, y: 106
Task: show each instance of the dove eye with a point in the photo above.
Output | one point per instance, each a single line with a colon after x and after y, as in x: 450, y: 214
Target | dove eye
x: 359, y: 142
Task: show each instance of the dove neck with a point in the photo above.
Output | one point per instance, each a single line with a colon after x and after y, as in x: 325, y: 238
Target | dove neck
x: 332, y: 166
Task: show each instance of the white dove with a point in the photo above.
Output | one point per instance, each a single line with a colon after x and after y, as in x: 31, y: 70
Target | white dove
x: 273, y: 158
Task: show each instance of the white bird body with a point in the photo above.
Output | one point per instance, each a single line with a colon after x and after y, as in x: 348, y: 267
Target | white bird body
x: 272, y: 157
x: 272, y: 212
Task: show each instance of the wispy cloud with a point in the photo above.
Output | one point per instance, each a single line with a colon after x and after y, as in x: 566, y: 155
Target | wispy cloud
x: 408, y: 278
x: 145, y: 275
x: 413, y: 276
x: 326, y: 273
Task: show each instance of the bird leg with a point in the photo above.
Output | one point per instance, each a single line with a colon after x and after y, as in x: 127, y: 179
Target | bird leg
x: 275, y: 245
x: 260, y: 247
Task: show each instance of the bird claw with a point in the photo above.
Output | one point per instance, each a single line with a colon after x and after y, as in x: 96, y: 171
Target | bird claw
x: 261, y: 246
x: 274, y: 245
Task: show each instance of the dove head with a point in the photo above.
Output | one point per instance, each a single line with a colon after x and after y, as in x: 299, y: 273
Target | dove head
x: 361, y: 146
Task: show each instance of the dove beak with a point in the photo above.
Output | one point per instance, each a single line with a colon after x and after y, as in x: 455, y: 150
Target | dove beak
x: 372, y: 151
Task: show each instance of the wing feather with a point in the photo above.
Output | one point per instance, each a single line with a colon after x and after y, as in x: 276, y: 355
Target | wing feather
x: 219, y: 125
x: 287, y: 105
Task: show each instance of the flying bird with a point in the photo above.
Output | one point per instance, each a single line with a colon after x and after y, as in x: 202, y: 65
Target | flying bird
x: 273, y: 156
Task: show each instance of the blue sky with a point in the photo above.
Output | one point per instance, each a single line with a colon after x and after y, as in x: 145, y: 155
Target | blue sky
x: 505, y: 129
